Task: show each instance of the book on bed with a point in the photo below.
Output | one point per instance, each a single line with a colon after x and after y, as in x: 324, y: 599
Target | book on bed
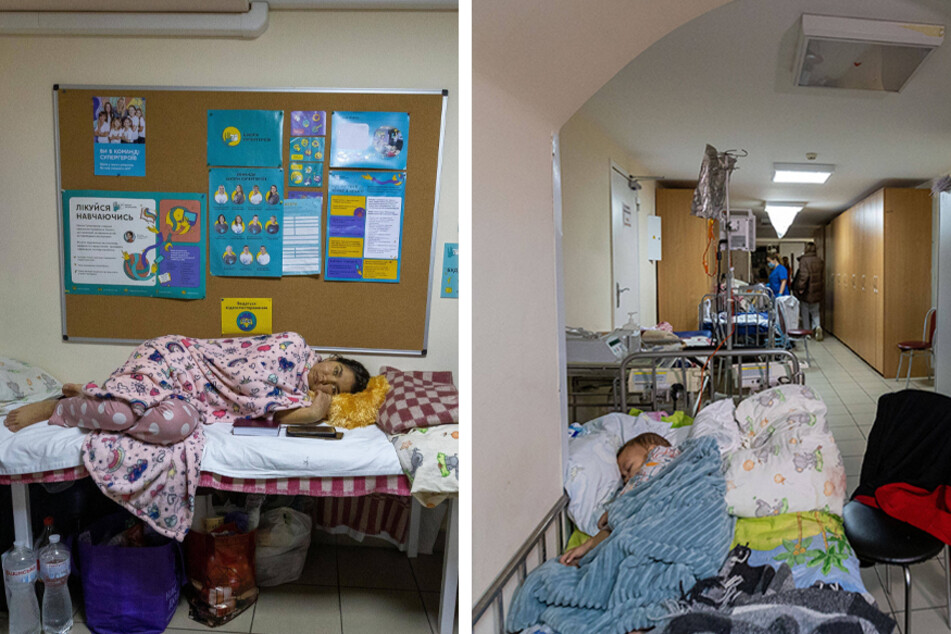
x: 256, y: 427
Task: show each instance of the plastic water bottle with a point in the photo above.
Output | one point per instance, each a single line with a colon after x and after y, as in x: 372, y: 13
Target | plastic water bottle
x: 57, y: 606
x: 19, y: 579
x: 43, y: 540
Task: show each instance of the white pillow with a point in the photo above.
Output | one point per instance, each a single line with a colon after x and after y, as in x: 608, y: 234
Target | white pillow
x: 20, y: 381
x: 593, y: 477
x: 716, y: 419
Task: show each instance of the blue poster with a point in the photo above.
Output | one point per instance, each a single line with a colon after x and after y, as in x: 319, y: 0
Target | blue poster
x: 365, y: 226
x: 146, y: 244
x: 119, y: 136
x: 243, y: 138
x: 303, y: 211
x: 369, y: 140
x: 246, y: 221
x: 450, y: 270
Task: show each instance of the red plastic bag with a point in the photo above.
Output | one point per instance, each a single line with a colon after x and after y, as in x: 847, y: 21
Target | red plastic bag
x: 220, y: 568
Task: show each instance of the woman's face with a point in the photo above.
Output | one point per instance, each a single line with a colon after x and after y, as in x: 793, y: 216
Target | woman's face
x: 239, y: 220
x: 107, y: 107
x: 221, y: 219
x: 331, y: 377
x: 239, y: 189
x: 274, y: 189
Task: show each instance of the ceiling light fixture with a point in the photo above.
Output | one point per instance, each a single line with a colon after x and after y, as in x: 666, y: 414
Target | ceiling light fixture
x: 840, y: 52
x: 781, y: 215
x: 802, y: 172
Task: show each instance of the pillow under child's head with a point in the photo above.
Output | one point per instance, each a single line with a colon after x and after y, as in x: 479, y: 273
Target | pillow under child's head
x: 361, y: 409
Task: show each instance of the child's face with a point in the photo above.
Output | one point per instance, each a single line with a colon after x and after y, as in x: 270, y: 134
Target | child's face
x: 631, y: 460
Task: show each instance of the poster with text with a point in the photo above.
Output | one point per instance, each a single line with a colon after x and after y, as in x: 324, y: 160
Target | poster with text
x: 369, y: 140
x: 303, y: 211
x: 118, y: 131
x: 365, y: 226
x: 244, y: 138
x: 246, y: 221
x: 134, y: 243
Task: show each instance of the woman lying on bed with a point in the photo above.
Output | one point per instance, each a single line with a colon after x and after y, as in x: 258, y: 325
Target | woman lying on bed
x: 171, y: 384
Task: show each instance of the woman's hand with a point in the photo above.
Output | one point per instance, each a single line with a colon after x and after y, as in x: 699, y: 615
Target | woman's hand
x: 313, y: 413
x: 320, y: 405
x: 572, y: 556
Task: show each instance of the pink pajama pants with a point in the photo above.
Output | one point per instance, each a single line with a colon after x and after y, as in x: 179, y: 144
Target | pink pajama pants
x: 168, y: 422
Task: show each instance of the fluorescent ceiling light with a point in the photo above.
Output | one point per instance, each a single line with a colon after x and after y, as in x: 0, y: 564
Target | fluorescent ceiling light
x: 782, y: 215
x: 840, y: 52
x: 801, y: 172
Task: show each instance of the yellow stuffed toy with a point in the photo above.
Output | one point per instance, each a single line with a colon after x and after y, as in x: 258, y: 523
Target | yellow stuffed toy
x: 361, y: 409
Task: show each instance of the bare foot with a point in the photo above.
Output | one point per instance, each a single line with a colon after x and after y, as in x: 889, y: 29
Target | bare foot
x: 29, y: 414
x: 72, y: 389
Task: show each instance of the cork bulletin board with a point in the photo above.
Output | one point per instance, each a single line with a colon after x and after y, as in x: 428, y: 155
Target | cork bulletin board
x: 331, y: 315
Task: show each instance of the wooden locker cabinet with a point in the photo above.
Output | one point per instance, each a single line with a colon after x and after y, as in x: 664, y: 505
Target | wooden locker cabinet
x: 878, y: 275
x: 681, y: 280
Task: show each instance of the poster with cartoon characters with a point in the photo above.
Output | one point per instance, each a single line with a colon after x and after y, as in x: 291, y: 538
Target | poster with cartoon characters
x: 246, y: 221
x: 369, y: 140
x: 147, y: 244
x: 365, y: 226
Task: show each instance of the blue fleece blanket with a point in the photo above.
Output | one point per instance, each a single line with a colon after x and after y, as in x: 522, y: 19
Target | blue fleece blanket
x: 666, y: 535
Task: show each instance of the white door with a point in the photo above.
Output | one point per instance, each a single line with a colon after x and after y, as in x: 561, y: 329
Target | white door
x: 625, y: 290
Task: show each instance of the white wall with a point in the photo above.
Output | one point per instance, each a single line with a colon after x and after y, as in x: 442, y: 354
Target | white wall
x: 531, y: 71
x: 410, y: 50
x: 942, y: 341
x: 586, y: 155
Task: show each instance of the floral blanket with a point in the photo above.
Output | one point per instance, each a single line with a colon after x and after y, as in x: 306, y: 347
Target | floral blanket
x: 225, y: 379
x: 156, y: 483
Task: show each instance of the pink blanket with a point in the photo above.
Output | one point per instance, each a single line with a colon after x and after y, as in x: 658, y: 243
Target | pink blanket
x: 225, y: 379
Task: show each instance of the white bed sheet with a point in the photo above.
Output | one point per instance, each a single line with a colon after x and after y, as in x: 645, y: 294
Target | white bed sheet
x: 361, y: 452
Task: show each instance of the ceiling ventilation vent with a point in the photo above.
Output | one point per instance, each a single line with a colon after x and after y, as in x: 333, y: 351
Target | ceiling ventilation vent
x: 854, y: 53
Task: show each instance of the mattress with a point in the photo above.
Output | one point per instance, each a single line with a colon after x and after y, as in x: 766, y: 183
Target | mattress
x: 361, y: 452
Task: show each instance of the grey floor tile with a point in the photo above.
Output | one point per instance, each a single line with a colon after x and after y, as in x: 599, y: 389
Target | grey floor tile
x: 431, y: 601
x: 927, y: 586
x: 374, y: 568
x: 428, y: 572
x: 321, y: 566
x: 298, y: 609
x: 373, y: 610
x: 241, y: 623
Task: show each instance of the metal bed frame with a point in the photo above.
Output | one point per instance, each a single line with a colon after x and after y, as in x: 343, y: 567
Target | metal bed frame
x: 718, y: 306
x: 537, y: 541
x: 722, y: 373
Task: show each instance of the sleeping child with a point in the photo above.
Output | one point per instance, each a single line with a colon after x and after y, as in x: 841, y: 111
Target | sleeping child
x: 638, y: 460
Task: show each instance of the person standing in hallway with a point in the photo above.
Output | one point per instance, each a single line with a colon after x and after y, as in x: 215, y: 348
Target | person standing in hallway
x: 809, y: 288
x: 778, y: 275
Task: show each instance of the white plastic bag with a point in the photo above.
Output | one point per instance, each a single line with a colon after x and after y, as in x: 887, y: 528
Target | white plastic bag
x: 283, y: 538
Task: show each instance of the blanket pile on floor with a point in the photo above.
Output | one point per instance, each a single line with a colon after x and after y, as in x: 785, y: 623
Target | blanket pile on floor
x: 667, y: 534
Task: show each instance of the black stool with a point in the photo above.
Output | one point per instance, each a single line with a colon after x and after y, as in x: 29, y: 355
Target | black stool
x: 878, y: 538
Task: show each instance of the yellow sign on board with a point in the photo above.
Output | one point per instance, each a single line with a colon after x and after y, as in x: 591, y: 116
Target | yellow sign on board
x: 345, y: 247
x: 346, y: 205
x: 245, y: 316
x: 380, y: 269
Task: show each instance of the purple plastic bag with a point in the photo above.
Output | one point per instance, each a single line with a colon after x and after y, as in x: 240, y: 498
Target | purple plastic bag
x: 128, y: 590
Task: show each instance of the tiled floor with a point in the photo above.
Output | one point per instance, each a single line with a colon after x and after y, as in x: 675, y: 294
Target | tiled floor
x: 344, y: 589
x: 851, y: 388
